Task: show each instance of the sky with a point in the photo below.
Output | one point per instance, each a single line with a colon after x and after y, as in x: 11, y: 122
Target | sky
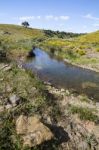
x: 64, y: 15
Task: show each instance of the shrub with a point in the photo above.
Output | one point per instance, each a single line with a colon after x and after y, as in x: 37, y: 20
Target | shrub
x: 80, y: 52
x: 97, y: 49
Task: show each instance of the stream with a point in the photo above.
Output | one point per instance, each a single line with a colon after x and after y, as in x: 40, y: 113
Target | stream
x: 64, y: 75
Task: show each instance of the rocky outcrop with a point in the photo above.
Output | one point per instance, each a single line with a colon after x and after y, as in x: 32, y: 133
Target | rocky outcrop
x: 31, y: 54
x: 12, y: 101
x: 32, y: 131
x: 5, y: 67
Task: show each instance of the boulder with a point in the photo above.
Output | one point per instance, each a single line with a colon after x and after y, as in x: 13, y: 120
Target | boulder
x: 8, y: 106
x: 83, y: 145
x: 6, y: 67
x: 1, y: 108
x: 14, y: 100
x: 32, y: 131
x: 31, y: 54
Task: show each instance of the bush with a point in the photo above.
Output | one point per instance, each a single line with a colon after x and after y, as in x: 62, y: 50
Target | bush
x: 81, y: 52
x: 97, y: 49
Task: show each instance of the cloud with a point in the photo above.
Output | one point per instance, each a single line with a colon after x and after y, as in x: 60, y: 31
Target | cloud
x: 26, y: 18
x: 89, y: 16
x: 48, y: 18
x: 64, y: 17
x: 38, y: 17
x: 56, y: 18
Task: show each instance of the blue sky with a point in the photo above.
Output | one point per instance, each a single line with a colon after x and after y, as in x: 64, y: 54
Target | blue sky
x: 63, y: 15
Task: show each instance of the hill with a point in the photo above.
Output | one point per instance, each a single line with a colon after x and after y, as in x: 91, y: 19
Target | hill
x: 14, y: 38
x: 82, y: 50
x: 78, y: 49
x: 17, y: 40
x: 91, y: 37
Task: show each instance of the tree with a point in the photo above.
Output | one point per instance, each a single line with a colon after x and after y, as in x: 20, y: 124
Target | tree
x: 25, y: 24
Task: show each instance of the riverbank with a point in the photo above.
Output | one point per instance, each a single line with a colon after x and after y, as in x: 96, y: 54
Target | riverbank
x: 69, y: 120
x: 72, y: 118
x: 82, y: 51
x: 77, y: 118
x: 90, y: 66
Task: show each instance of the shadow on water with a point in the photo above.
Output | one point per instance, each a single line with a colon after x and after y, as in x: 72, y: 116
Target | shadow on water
x: 64, y: 75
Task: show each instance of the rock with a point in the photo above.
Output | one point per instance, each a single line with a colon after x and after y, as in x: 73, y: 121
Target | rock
x: 1, y: 109
x: 47, y: 119
x: 14, y: 100
x: 8, y: 88
x: 8, y: 106
x: 67, y: 92
x: 32, y: 131
x: 62, y: 90
x: 67, y: 60
x: 31, y: 54
x: 83, y: 145
x: 7, y: 68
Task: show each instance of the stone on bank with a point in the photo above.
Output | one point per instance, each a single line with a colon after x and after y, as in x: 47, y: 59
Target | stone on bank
x: 32, y: 131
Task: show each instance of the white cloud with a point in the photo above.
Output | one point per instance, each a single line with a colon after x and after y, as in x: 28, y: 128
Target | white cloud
x: 26, y: 18
x: 56, y: 18
x: 38, y: 17
x: 48, y: 18
x: 64, y: 17
x: 89, y: 16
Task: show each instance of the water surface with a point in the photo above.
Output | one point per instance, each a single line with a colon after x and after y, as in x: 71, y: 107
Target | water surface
x: 64, y: 75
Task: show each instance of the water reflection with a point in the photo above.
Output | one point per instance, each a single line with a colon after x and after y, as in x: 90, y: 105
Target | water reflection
x: 64, y: 75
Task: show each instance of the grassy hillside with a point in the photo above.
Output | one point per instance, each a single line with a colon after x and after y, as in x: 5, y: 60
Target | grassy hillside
x: 16, y: 40
x: 75, y: 48
x: 91, y: 37
x: 82, y: 50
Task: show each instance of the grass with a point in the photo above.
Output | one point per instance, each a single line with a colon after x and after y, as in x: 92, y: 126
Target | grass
x: 97, y: 49
x: 35, y: 99
x: 16, y: 41
x: 84, y: 113
x: 78, y: 50
x: 18, y: 80
x: 84, y: 98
